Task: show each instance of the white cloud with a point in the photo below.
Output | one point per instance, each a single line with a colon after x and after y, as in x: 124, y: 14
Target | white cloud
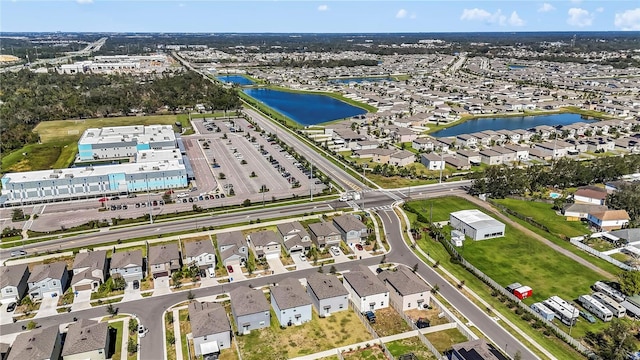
x: 628, y: 20
x: 475, y: 14
x: 600, y: 9
x: 401, y: 14
x: 515, y: 20
x: 546, y: 7
x: 323, y: 7
x: 84, y: 1
x: 579, y: 17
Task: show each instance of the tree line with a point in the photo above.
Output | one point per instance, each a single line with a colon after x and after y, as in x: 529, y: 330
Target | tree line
x: 29, y: 98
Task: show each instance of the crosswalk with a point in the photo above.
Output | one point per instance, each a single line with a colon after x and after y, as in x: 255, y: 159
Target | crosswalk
x: 385, y: 207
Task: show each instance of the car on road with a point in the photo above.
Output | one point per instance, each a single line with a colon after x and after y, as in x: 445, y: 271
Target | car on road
x: 222, y: 196
x: 142, y: 331
x: 303, y: 257
x: 18, y: 253
x: 359, y: 247
x: 11, y: 307
x: 229, y: 269
x: 115, y: 198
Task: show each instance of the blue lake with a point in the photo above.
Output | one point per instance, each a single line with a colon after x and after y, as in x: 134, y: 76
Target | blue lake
x: 360, y: 80
x: 305, y: 109
x: 510, y: 123
x: 235, y: 79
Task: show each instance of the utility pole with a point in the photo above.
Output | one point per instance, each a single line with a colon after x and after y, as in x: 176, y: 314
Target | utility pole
x: 311, y: 184
x: 441, y: 165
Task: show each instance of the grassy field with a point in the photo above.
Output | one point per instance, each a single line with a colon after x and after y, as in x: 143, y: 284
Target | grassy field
x: 443, y: 340
x: 544, y: 214
x: 185, y: 328
x: 168, y: 328
x: 517, y: 258
x: 389, y: 322
x: 58, y: 141
x: 341, y: 328
x: 370, y: 353
x: 118, y: 347
x: 410, y: 345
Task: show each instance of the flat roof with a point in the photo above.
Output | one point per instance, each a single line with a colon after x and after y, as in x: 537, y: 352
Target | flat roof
x: 476, y: 218
x: 138, y: 133
x: 103, y: 170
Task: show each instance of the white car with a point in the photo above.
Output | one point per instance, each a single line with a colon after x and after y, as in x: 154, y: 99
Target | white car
x: 303, y: 257
x: 335, y: 250
x: 211, y: 271
x: 142, y: 331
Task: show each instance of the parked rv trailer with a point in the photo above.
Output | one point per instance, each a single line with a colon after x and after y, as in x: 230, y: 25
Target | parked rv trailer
x: 595, y: 307
x: 617, y: 309
x: 609, y: 291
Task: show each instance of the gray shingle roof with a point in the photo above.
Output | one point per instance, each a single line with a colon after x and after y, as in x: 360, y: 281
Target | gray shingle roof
x: 37, y: 344
x: 84, y: 336
x: 263, y: 238
x: 348, y: 223
x: 323, y: 229
x: 231, y: 238
x: 405, y: 281
x: 165, y: 253
x: 54, y: 270
x: 292, y: 228
x: 12, y: 274
x: 326, y: 286
x: 478, y: 349
x: 197, y: 248
x: 90, y: 259
x: 121, y: 259
x: 207, y: 318
x: 289, y: 293
x: 246, y: 301
x: 365, y: 283
x: 630, y: 235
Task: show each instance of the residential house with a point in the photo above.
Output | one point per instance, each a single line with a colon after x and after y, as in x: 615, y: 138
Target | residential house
x: 48, y: 279
x: 544, y: 131
x: 457, y: 163
x: 352, y: 230
x: 324, y: 234
x: 525, y: 135
x: 475, y: 350
x: 402, y: 158
x: 628, y: 235
x: 402, y: 135
x: 327, y: 293
x: 38, y: 344
x: 264, y: 244
x: 86, y: 340
x: 522, y: 153
x: 467, y: 140
x: 482, y: 138
x: 210, y: 328
x: 233, y: 248
x: 473, y: 157
x: 250, y: 309
x: 127, y: 264
x: 295, y: 237
x: 508, y: 155
x: 432, y: 161
x: 164, y: 259
x: 89, y: 270
x: 290, y: 302
x: 609, y: 220
x: 590, y: 195
x: 446, y: 143
x: 577, y: 212
x: 539, y: 154
x: 200, y: 253
x: 366, y: 145
x: 423, y: 144
x: 490, y: 157
x: 13, y: 282
x: 367, y: 292
x: 600, y: 145
x: 382, y: 156
x: 406, y: 289
x: 552, y: 148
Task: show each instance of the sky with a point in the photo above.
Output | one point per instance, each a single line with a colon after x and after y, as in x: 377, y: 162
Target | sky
x: 337, y: 16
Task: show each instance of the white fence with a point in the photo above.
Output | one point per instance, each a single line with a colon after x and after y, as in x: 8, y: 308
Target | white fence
x: 602, y: 256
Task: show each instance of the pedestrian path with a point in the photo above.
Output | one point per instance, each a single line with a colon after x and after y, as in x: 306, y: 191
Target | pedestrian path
x: 125, y: 338
x: 176, y: 333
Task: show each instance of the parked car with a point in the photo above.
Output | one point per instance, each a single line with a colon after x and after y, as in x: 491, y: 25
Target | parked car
x: 212, y: 272
x: 335, y: 251
x: 303, y: 257
x: 423, y: 323
x: 11, y: 307
x: 136, y: 285
x: 590, y: 318
x: 230, y: 268
x: 359, y: 247
x: 379, y: 270
x: 370, y: 316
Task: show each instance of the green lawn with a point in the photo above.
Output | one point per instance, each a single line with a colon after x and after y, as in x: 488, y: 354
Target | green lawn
x: 443, y: 340
x: 370, y: 353
x: 518, y: 258
x: 118, y: 347
x: 544, y: 214
x: 340, y: 329
x: 409, y: 345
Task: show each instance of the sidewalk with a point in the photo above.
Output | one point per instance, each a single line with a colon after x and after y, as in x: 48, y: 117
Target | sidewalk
x: 176, y: 334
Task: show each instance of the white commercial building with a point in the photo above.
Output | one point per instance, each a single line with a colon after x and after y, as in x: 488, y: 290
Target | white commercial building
x: 124, y: 141
x: 476, y: 224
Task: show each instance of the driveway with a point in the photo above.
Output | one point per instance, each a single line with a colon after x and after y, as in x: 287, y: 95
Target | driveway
x: 161, y: 286
x: 5, y: 317
x: 130, y: 293
x: 360, y: 254
x: 237, y: 274
x: 300, y: 264
x: 275, y: 265
x: 48, y: 307
x: 82, y: 300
